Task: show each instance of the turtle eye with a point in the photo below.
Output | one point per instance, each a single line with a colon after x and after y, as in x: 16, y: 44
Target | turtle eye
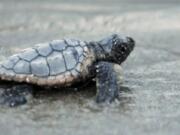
x: 123, y: 49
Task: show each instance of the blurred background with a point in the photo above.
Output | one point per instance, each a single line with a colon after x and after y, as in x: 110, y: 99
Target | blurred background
x: 150, y: 94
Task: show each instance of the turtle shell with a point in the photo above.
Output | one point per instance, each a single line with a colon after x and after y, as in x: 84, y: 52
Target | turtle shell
x: 59, y: 62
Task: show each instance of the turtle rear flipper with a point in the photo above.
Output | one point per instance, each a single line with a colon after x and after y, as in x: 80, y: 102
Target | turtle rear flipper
x: 106, y: 82
x: 16, y: 95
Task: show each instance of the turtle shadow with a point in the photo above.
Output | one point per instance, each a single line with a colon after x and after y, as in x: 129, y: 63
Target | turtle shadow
x: 87, y: 90
x: 78, y: 93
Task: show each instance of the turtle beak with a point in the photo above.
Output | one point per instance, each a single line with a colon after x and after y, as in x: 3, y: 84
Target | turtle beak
x: 131, y: 43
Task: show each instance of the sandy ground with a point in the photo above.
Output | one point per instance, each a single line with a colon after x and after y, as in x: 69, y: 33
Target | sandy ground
x: 150, y: 94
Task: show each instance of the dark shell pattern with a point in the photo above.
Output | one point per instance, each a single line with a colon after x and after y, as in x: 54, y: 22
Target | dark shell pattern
x: 56, y: 63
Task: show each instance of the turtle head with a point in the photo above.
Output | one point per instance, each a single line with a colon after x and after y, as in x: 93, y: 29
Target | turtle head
x: 117, y: 47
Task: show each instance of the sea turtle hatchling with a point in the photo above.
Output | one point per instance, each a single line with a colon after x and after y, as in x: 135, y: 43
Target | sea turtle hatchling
x: 66, y: 62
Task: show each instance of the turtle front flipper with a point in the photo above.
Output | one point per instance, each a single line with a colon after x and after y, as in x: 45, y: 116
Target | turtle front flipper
x: 107, y: 82
x: 16, y: 95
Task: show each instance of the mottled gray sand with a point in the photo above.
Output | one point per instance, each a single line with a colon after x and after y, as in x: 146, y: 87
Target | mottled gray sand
x: 150, y: 96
